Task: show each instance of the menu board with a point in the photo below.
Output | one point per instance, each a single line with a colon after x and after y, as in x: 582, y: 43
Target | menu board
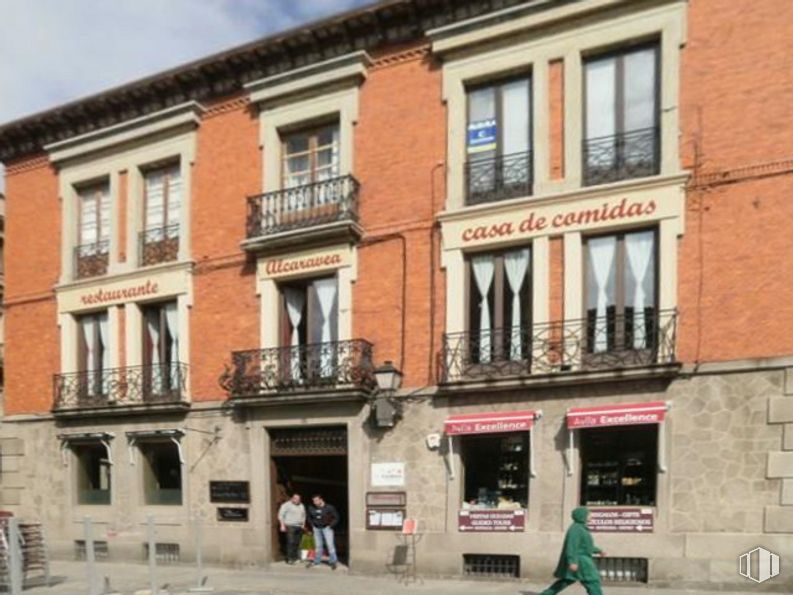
x: 385, y: 518
x: 229, y: 491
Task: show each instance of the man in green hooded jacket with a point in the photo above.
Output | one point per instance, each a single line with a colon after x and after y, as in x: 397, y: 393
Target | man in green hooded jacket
x: 575, y: 562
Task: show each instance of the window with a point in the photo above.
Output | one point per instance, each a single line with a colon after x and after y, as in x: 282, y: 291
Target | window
x: 309, y: 326
x: 499, y: 141
x: 162, y: 473
x: 93, y: 474
x: 163, y: 202
x: 93, y: 353
x: 496, y: 468
x: 162, y: 372
x: 622, y: 115
x: 499, y: 291
x: 619, y: 466
x: 621, y: 279
x: 310, y: 156
x: 93, y: 237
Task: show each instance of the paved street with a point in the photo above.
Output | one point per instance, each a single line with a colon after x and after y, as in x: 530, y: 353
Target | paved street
x: 127, y: 579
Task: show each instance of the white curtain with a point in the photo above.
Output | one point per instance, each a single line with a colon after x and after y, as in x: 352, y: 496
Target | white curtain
x: 601, y: 255
x: 639, y: 249
x: 295, y: 300
x: 601, y: 102
x: 172, y: 320
x: 516, y: 265
x: 484, y: 268
x: 152, y: 324
x: 174, y: 198
x: 326, y: 295
x: 516, y: 109
x: 103, y: 336
x: 89, y: 333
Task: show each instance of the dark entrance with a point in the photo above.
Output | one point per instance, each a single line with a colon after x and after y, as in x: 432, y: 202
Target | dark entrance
x: 310, y: 461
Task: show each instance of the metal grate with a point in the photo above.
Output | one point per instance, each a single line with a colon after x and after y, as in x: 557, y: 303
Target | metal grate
x: 101, y: 551
x: 623, y: 570
x: 302, y: 442
x: 491, y: 566
x: 164, y: 553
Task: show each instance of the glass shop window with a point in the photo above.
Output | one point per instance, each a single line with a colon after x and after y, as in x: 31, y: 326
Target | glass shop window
x: 619, y: 466
x: 162, y: 473
x: 496, y: 471
x: 93, y: 474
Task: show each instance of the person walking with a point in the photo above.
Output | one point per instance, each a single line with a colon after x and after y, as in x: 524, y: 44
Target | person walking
x: 292, y: 517
x: 323, y: 518
x: 575, y: 562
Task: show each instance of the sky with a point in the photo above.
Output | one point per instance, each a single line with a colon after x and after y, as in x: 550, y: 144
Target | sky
x: 54, y: 51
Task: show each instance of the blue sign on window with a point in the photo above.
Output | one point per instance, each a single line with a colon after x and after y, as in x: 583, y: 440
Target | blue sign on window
x: 482, y: 136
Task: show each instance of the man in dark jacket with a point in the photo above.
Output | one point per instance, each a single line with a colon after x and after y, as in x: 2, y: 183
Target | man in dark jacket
x: 323, y: 518
x: 576, y: 562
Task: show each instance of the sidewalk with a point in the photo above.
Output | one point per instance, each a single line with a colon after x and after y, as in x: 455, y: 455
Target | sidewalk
x: 69, y: 578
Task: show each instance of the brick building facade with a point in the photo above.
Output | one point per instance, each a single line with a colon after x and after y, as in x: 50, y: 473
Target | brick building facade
x: 561, y: 221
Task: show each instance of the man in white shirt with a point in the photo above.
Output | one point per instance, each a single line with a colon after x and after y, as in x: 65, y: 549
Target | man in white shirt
x: 292, y: 517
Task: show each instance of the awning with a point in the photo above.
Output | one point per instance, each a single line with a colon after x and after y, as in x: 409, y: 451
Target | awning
x: 616, y: 415
x: 490, y: 423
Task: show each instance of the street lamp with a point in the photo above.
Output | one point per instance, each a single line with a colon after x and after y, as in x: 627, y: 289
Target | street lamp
x: 384, y: 410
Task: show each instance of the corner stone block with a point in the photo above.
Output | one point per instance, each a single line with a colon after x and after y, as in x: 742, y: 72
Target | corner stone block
x: 780, y: 465
x: 787, y: 442
x: 787, y: 493
x: 780, y: 410
x: 778, y: 519
x: 788, y: 388
x: 12, y: 446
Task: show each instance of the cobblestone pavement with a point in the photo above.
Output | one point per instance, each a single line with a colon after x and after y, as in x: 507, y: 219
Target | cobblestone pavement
x: 69, y: 578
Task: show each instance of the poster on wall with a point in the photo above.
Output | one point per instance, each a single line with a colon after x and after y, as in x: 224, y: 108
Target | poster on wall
x: 482, y: 136
x: 388, y: 475
x: 621, y: 520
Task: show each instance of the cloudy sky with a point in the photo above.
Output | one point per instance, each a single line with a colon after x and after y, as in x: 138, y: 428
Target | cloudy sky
x: 53, y: 51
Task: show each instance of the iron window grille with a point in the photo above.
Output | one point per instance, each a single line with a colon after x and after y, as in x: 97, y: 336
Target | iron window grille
x: 491, y: 566
x: 623, y: 156
x: 498, y: 178
x: 309, y: 205
x: 159, y: 244
x: 91, y: 260
x: 562, y: 346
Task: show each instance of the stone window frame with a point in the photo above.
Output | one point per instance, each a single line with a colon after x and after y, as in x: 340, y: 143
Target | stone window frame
x: 465, y: 64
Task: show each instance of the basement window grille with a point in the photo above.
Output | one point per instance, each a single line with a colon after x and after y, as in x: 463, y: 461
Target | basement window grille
x: 164, y: 553
x: 101, y: 551
x: 491, y: 566
x: 623, y: 570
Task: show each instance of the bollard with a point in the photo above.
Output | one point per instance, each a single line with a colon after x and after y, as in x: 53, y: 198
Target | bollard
x: 15, y: 561
x: 90, y: 557
x: 201, y: 580
x: 152, y: 556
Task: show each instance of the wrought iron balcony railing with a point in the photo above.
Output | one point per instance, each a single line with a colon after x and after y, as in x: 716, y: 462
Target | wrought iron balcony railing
x: 593, y: 344
x: 121, y: 387
x: 633, y: 154
x: 159, y: 244
x: 90, y: 260
x: 335, y: 365
x: 305, y: 206
x: 498, y: 178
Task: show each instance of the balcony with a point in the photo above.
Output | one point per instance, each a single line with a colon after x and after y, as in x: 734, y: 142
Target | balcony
x: 563, y: 352
x: 340, y: 370
x: 158, y: 245
x: 498, y: 178
x: 625, y: 156
x: 322, y: 211
x: 132, y: 389
x: 90, y: 260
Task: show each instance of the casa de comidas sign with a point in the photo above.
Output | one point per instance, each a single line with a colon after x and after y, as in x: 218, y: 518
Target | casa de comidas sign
x: 553, y: 219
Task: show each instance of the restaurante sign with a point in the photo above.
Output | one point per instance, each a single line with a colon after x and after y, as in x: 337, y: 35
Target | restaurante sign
x: 106, y: 296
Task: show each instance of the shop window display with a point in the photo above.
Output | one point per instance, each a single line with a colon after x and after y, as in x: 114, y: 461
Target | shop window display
x: 496, y: 471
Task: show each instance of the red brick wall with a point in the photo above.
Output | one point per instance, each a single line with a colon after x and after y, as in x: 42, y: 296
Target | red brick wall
x: 736, y: 258
x: 32, y: 267
x: 400, y: 144
x: 225, y: 312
